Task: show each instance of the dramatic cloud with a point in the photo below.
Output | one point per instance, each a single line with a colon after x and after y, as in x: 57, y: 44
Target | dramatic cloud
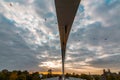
x: 29, y: 37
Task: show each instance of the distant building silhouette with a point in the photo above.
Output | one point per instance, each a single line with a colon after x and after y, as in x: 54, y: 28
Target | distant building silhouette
x: 108, y: 75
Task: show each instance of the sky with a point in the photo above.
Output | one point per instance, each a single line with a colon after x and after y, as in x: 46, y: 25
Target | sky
x: 29, y: 37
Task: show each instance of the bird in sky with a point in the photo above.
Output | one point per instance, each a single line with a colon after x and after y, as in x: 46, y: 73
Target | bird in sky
x: 11, y: 4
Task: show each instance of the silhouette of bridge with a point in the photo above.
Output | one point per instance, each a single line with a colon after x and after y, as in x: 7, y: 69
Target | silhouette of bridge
x: 66, y: 11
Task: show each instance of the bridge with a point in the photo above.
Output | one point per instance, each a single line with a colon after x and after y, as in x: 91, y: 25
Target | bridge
x: 66, y: 11
x: 70, y: 78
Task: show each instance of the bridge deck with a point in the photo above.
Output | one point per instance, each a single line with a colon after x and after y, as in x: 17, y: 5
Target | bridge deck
x: 70, y: 78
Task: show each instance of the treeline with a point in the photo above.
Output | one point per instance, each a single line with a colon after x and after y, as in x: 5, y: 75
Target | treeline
x: 110, y: 76
x: 84, y: 76
x: 18, y: 75
x: 25, y: 75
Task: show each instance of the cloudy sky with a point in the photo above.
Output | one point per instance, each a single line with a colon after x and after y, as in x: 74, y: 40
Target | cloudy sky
x: 29, y: 37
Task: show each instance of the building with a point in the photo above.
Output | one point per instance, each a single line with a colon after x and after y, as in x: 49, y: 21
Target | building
x: 108, y: 75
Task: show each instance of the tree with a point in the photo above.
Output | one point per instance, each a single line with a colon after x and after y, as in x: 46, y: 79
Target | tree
x: 21, y: 77
x: 13, y: 76
x: 84, y: 76
x: 35, y: 76
x: 4, y: 75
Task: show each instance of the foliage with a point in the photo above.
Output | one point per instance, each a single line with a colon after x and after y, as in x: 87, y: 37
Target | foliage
x: 25, y: 75
x: 18, y: 75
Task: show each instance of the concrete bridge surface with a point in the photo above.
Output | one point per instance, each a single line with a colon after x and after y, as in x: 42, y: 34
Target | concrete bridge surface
x: 70, y: 78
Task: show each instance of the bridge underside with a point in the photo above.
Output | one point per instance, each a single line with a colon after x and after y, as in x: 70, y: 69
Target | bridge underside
x: 66, y: 11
